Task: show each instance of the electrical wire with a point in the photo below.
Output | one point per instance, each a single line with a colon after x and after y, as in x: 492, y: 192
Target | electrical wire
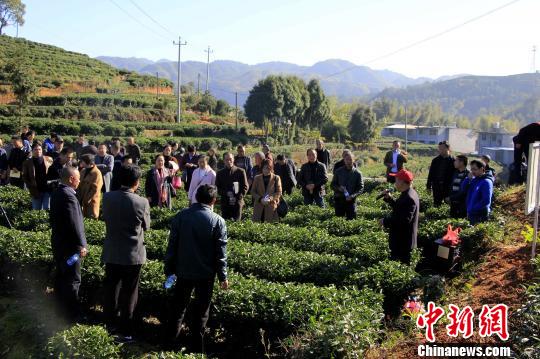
x: 151, y: 18
x: 426, y: 39
x: 137, y: 20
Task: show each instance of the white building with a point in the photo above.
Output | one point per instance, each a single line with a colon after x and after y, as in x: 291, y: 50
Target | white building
x: 461, y: 139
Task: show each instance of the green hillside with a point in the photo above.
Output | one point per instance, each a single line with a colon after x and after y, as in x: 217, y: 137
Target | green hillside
x: 54, y: 67
x: 513, y: 96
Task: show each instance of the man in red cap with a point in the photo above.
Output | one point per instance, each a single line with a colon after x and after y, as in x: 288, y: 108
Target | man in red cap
x: 402, y: 223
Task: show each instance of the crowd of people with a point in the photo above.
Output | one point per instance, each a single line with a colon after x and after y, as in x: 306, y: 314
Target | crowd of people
x: 196, y: 253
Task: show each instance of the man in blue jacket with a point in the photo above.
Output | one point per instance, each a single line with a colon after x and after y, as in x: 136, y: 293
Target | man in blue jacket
x: 196, y: 253
x: 479, y: 193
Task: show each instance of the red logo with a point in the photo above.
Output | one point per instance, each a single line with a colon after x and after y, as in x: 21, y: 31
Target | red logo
x: 460, y: 321
x: 429, y: 319
x: 494, y: 321
x: 491, y: 321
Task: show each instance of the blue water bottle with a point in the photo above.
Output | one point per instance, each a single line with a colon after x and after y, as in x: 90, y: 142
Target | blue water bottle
x: 170, y: 281
x: 73, y: 259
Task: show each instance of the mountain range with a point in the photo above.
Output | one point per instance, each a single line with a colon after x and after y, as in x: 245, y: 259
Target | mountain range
x: 339, y: 78
x: 514, y: 96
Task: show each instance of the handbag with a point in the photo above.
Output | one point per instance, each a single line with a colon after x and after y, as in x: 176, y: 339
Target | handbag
x: 176, y: 182
x: 282, y: 208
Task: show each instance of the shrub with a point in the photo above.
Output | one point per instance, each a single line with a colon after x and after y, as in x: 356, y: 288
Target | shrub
x: 83, y: 341
x: 365, y: 249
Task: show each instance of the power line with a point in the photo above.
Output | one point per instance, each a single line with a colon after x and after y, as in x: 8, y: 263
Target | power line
x: 138, y: 21
x: 429, y: 38
x: 151, y: 18
x: 416, y: 43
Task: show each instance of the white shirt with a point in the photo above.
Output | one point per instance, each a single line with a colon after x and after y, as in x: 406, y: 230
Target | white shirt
x: 395, y: 154
x: 200, y: 177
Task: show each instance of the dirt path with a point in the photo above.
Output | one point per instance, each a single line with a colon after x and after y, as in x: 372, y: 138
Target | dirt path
x: 499, y: 279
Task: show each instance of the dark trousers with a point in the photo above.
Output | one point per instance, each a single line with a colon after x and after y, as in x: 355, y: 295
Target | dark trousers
x: 314, y: 198
x: 66, y: 287
x: 201, y: 307
x: 17, y: 182
x: 458, y: 210
x: 228, y: 211
x: 440, y: 192
x: 287, y: 189
x: 345, y: 208
x: 475, y: 218
x: 402, y: 255
x: 390, y: 179
x: 121, y: 294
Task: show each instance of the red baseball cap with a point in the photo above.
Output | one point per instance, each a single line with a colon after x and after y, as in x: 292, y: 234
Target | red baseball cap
x: 403, y: 175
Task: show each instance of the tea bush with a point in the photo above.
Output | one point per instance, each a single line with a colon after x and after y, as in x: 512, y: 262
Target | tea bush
x: 83, y: 341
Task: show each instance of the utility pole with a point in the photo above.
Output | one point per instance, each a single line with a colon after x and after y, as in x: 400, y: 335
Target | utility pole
x: 236, y: 106
x: 208, y: 52
x: 406, y: 130
x: 198, y: 84
x: 179, y: 78
x: 157, y: 85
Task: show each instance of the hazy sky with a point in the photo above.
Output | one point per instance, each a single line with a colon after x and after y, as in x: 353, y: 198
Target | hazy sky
x: 300, y: 31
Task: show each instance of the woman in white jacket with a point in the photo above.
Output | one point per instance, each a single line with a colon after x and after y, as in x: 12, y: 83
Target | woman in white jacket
x: 202, y: 175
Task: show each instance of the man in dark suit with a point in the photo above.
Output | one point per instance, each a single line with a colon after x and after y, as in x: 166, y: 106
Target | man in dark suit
x: 196, y: 253
x: 312, y: 178
x: 394, y: 160
x: 232, y: 195
x: 347, y: 184
x: 341, y: 162
x: 402, y: 224
x: 526, y: 135
x: 286, y: 170
x: 126, y: 216
x: 323, y: 156
x: 67, y: 239
x: 441, y: 173
x: 190, y: 162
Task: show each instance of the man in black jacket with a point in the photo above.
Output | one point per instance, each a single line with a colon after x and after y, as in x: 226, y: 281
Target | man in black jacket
x: 196, y: 253
x: 323, y: 156
x: 190, y: 162
x: 54, y: 173
x: 402, y: 224
x: 312, y: 178
x: 440, y: 174
x: 526, y: 135
x: 67, y: 239
x: 232, y: 186
x: 457, y: 197
x: 16, y: 158
x: 347, y: 184
x: 126, y: 216
x: 341, y: 162
x: 285, y: 169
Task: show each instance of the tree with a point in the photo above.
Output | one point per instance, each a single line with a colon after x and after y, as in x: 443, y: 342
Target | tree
x: 11, y: 13
x: 222, y: 108
x: 318, y: 112
x: 362, y: 125
x: 22, y: 81
x: 277, y: 99
x: 207, y: 103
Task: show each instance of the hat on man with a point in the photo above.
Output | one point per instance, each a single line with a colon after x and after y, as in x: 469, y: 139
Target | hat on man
x: 403, y: 175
